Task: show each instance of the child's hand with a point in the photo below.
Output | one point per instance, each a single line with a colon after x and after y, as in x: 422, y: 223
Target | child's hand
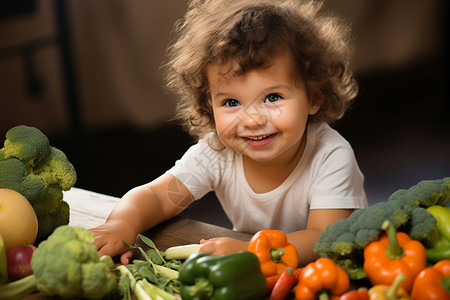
x: 109, y: 239
x: 222, y: 245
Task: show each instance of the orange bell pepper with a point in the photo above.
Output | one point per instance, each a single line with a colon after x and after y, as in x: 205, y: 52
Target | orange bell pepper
x: 433, y: 282
x: 322, y: 277
x: 273, y: 251
x: 392, y: 254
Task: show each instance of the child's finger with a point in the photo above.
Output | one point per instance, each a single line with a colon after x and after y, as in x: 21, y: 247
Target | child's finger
x: 203, y: 241
x: 125, y: 258
x: 208, y: 247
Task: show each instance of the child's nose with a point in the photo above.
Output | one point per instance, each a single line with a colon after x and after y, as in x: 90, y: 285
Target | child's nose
x: 254, y: 116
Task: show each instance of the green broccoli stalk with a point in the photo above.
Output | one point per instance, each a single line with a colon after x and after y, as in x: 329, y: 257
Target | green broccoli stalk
x: 67, y: 265
x: 18, y: 289
x: 40, y: 172
x: 344, y: 241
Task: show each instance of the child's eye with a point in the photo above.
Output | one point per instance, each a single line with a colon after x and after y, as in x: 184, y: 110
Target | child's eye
x: 272, y: 98
x: 231, y: 103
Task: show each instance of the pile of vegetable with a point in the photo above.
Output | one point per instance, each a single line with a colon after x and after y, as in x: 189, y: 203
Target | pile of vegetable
x: 284, y: 279
x: 396, y: 265
x: 154, y: 277
x: 408, y: 211
x: 67, y: 265
x: 40, y: 172
x: 192, y: 275
x: 401, y: 248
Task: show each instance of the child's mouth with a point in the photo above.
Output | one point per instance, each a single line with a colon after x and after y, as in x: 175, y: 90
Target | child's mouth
x: 260, y: 140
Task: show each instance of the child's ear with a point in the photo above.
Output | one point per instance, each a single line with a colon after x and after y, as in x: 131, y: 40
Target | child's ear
x: 314, y: 108
x: 316, y: 102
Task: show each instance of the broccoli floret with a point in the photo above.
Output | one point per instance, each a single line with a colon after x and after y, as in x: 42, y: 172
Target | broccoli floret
x: 424, y: 194
x: 30, y: 166
x: 344, y: 241
x: 28, y: 144
x: 67, y: 264
x: 56, y: 169
x: 14, y: 175
x: 363, y: 226
x: 422, y: 226
x: 329, y: 236
x: 97, y: 280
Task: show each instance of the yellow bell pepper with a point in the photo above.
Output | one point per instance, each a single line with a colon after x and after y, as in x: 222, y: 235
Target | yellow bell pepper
x: 389, y: 292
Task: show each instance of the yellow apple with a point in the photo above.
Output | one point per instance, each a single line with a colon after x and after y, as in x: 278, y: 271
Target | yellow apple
x: 18, y: 221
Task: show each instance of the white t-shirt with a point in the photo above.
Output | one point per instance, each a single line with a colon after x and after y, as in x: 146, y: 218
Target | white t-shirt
x: 327, y: 176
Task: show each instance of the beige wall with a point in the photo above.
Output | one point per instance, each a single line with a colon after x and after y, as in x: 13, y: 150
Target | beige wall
x: 17, y: 106
x: 118, y: 49
x: 119, y: 46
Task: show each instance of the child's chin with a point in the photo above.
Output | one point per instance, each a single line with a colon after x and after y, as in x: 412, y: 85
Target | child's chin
x: 258, y: 157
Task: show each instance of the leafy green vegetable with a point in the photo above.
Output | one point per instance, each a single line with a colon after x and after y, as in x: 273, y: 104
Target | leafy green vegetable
x: 126, y: 283
x: 154, y: 268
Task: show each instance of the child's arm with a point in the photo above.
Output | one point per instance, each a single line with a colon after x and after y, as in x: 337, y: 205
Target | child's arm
x: 303, y: 240
x: 318, y: 220
x: 140, y: 209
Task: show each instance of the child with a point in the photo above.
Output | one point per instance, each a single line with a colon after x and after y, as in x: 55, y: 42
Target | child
x: 258, y: 82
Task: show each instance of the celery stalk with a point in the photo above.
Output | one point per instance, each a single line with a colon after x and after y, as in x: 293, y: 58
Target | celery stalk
x: 18, y: 289
x: 167, y: 272
x: 125, y: 272
x: 144, y: 290
x: 181, y: 252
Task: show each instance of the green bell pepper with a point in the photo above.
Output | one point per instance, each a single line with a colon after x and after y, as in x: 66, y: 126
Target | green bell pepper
x: 441, y: 248
x: 217, y: 277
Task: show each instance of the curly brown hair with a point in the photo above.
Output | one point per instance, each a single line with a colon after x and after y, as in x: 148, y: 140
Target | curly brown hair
x: 250, y: 33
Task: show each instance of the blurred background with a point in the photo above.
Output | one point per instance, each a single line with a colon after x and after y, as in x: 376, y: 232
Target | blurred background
x: 88, y: 74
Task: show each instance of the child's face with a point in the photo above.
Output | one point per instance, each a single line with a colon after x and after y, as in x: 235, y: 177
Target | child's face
x: 263, y: 112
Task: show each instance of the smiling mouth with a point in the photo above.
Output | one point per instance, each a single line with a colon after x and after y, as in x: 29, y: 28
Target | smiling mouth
x: 258, y: 138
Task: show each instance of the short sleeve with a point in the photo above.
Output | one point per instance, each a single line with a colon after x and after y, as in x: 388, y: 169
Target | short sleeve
x: 200, y: 168
x: 338, y: 181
